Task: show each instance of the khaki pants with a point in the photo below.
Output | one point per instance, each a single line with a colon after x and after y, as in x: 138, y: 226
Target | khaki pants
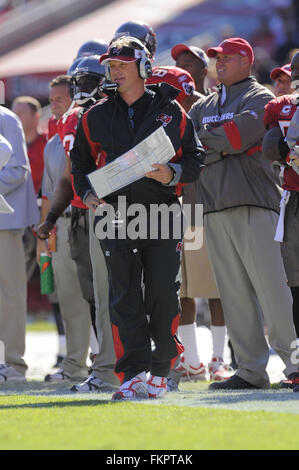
x: 13, y: 298
x: 103, y: 367
x: 74, y: 309
x: 252, y: 284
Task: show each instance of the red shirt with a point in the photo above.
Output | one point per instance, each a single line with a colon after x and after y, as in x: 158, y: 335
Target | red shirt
x: 66, y: 129
x: 278, y: 113
x: 36, y: 158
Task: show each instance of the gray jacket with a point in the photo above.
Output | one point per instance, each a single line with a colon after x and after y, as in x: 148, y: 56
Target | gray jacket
x: 15, y: 177
x: 230, y: 126
x: 54, y: 164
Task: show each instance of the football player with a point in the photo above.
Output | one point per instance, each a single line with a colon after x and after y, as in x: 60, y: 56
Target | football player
x: 86, y: 82
x: 277, y: 118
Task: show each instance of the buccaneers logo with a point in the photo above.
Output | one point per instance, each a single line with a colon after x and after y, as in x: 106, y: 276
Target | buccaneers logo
x: 179, y: 247
x: 164, y: 118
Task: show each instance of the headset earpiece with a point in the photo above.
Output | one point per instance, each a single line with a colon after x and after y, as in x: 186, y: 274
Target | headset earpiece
x: 144, y: 63
x: 144, y: 66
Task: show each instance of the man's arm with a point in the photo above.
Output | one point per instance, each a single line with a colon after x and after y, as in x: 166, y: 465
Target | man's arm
x: 187, y: 164
x: 237, y: 135
x: 274, y: 146
x: 62, y: 198
x: 42, y: 245
x: 5, y: 151
x: 17, y: 168
x: 193, y: 154
x: 82, y: 158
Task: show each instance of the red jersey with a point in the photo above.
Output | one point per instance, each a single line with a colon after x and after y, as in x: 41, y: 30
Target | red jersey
x: 66, y: 129
x: 35, y: 152
x: 278, y: 113
x: 175, y: 76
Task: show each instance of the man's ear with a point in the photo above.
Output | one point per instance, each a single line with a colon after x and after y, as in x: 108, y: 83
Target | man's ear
x: 245, y: 63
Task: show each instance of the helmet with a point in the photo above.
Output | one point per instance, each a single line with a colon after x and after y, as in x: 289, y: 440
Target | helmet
x: 141, y: 31
x: 175, y: 76
x: 73, y: 66
x: 86, y: 80
x: 93, y: 47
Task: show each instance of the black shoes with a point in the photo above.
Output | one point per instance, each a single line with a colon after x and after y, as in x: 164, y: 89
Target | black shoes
x: 58, y: 362
x: 233, y: 383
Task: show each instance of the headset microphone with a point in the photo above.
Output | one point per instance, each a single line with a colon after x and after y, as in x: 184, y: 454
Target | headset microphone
x: 109, y: 87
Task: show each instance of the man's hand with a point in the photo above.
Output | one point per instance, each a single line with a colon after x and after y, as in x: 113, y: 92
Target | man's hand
x: 92, y: 201
x: 163, y: 173
x: 43, y: 230
x: 41, y: 247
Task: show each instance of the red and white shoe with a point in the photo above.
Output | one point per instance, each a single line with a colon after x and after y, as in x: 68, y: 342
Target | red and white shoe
x: 191, y: 373
x: 156, y: 386
x: 218, y: 370
x: 135, y: 388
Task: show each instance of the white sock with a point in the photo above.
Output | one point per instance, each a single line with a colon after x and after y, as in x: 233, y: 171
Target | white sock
x: 187, y: 334
x: 93, y: 342
x: 61, y: 345
x: 218, y: 340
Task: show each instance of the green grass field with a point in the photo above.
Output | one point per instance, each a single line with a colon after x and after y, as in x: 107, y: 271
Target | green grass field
x: 40, y: 322
x: 53, y: 418
x: 42, y: 416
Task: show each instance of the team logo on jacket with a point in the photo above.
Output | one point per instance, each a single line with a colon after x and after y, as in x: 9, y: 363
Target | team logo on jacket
x: 179, y: 247
x: 164, y: 118
x: 188, y: 88
x: 286, y: 109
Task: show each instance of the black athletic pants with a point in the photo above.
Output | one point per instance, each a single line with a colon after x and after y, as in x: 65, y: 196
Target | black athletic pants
x: 154, y: 264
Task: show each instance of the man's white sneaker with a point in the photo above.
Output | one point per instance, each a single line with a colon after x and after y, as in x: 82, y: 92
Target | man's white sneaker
x: 218, y: 370
x: 92, y: 384
x: 133, y: 389
x: 156, y: 386
x: 9, y: 374
x: 59, y: 376
x: 191, y: 373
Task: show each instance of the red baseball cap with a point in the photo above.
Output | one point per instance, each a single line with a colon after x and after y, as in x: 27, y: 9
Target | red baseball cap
x: 278, y: 70
x: 196, y: 51
x: 175, y: 76
x: 233, y: 46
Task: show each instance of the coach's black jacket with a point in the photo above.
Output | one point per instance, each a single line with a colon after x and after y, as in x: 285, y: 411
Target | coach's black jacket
x: 105, y: 132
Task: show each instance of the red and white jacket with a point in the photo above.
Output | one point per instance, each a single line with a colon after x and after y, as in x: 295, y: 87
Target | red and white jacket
x: 278, y: 113
x: 66, y: 129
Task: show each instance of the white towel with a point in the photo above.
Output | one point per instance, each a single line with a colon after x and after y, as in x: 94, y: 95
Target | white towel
x: 280, y: 226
